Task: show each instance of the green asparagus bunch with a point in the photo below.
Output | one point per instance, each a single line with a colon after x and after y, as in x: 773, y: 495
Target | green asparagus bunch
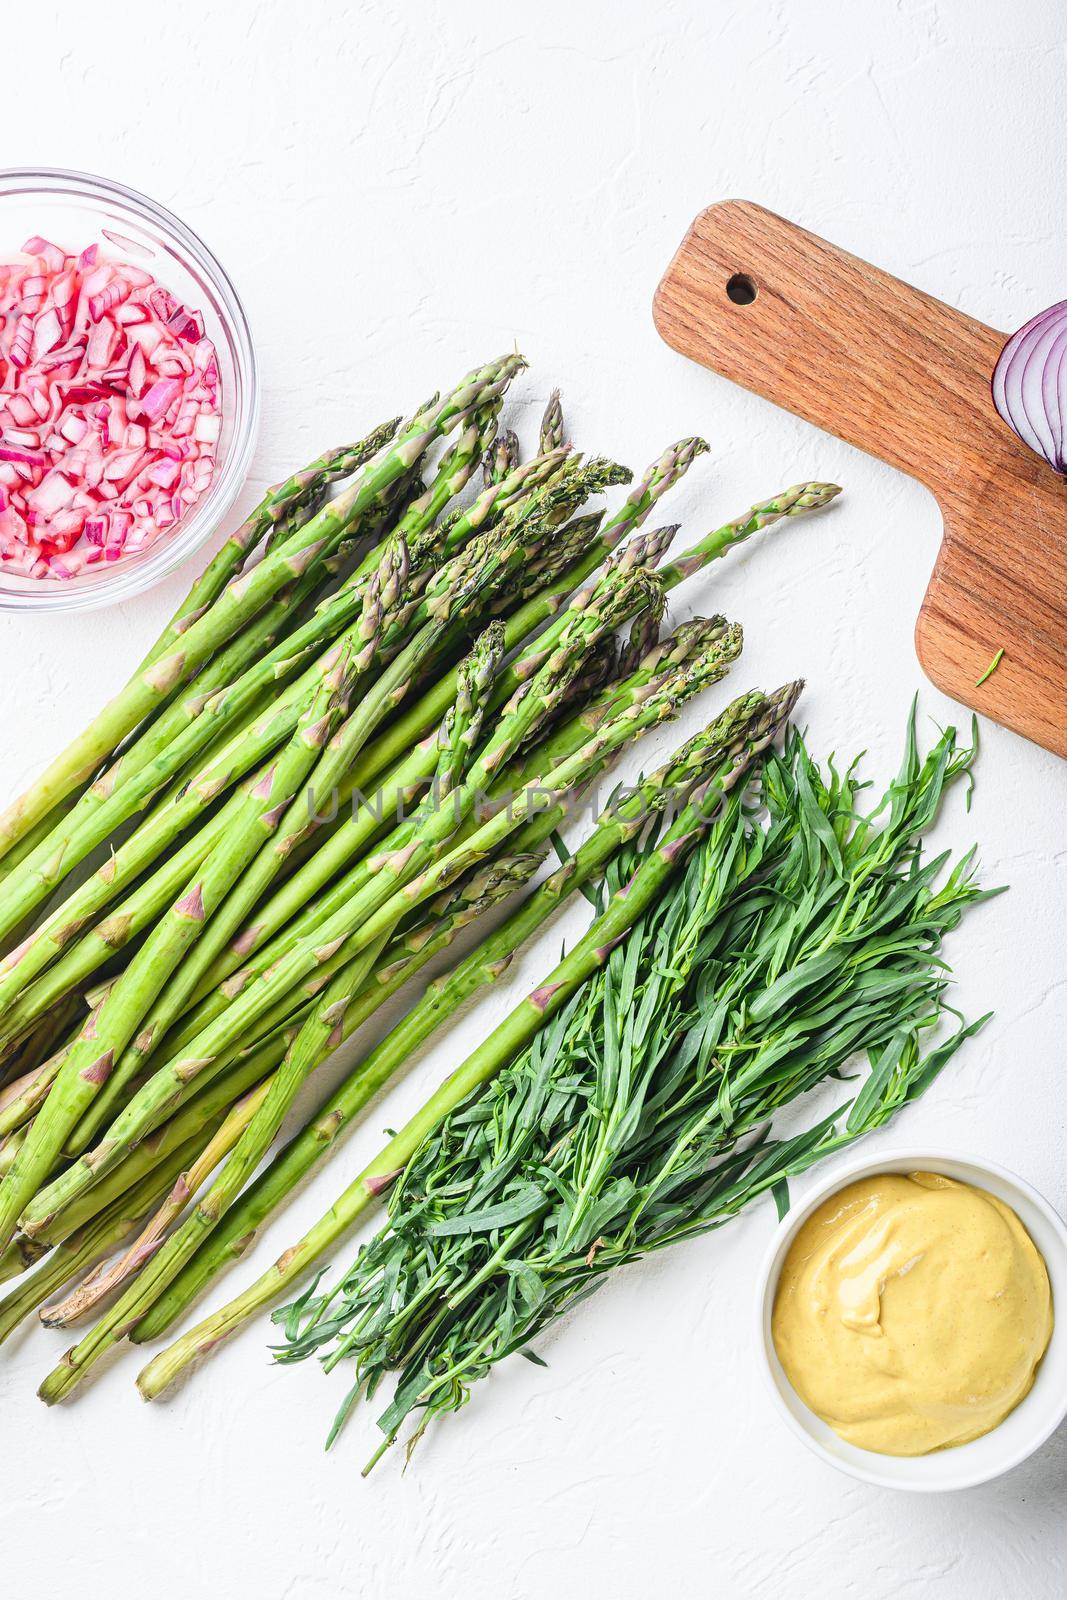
x: 396, y: 883
x: 356, y: 735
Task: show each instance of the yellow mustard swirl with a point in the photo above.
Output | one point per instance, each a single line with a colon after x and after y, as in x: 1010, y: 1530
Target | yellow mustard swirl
x: 912, y: 1312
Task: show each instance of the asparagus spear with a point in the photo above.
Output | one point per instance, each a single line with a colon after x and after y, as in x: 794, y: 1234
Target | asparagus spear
x: 791, y: 502
x: 17, y: 853
x: 21, y: 1252
x: 520, y: 481
x: 622, y: 911
x: 241, y: 599
x: 90, y: 1242
x: 644, y: 550
x: 10, y: 1148
x: 552, y: 423
x: 794, y: 502
x: 452, y: 474
x: 500, y: 458
x: 30, y: 1093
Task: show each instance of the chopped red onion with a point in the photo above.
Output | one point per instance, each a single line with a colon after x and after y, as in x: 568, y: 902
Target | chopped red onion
x: 110, y: 411
x: 159, y: 398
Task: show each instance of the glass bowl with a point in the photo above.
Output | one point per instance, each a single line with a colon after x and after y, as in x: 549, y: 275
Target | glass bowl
x: 75, y: 209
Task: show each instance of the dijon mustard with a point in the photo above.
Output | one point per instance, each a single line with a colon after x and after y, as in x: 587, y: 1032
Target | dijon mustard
x: 912, y: 1312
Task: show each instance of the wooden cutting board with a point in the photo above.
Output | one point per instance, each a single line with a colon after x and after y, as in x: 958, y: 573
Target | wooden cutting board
x: 899, y: 374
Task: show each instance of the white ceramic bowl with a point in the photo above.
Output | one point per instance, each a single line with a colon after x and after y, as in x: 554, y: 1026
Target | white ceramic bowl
x: 1024, y: 1429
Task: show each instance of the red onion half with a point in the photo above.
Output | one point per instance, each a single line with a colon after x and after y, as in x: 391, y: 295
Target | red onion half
x: 1030, y: 385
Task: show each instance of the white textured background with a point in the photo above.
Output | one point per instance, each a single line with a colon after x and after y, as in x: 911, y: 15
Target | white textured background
x: 399, y: 191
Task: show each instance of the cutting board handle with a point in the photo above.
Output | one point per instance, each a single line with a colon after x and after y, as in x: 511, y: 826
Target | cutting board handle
x: 919, y: 398
x: 887, y: 368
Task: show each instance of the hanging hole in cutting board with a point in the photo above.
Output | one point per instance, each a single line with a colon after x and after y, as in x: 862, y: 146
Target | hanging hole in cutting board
x: 741, y: 289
